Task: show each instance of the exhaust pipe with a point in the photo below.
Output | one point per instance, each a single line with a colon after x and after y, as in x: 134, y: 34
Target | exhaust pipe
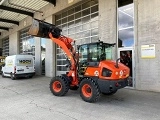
x: 117, y: 63
x: 42, y: 29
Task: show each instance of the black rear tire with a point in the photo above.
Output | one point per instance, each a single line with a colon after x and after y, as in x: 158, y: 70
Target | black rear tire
x: 12, y: 76
x: 89, y: 90
x: 59, y: 86
x: 3, y: 75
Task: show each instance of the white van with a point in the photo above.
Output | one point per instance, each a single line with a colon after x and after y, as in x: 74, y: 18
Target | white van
x: 18, y: 66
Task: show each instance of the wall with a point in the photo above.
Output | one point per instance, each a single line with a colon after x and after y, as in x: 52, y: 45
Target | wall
x: 148, y: 26
x: 108, y: 22
x: 50, y: 54
x: 13, y: 43
x: 38, y: 55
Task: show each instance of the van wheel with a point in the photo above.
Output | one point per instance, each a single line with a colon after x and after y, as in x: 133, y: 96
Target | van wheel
x: 30, y: 76
x: 12, y: 76
x: 3, y: 75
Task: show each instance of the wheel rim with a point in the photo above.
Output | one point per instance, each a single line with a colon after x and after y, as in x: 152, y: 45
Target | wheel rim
x: 57, y: 86
x: 86, y: 90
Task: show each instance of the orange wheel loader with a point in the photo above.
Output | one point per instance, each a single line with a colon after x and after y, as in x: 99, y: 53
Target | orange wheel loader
x: 89, y: 71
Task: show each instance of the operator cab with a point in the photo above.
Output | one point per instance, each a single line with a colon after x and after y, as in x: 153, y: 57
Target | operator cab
x: 92, y: 54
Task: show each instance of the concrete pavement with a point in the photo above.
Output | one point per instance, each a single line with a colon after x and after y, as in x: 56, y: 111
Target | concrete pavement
x: 31, y: 99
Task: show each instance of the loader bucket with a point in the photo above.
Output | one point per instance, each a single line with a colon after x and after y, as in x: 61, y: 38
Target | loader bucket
x: 42, y: 29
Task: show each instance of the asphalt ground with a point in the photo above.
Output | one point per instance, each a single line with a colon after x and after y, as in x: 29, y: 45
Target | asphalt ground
x: 31, y: 99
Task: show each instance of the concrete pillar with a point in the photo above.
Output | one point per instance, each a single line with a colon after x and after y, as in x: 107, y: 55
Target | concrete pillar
x: 14, y: 43
x: 0, y: 43
x: 108, y: 22
x: 50, y: 60
x: 148, y: 69
x: 38, y: 55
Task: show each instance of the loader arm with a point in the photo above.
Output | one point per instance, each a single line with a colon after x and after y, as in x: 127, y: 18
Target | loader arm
x: 46, y: 30
x: 65, y: 44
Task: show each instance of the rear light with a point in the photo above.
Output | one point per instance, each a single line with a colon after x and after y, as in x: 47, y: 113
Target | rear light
x: 14, y: 69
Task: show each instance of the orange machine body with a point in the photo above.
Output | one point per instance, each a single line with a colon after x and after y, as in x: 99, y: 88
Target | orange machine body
x: 121, y: 72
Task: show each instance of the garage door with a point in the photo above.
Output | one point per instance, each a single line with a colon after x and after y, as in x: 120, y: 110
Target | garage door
x: 27, y: 43
x: 5, y: 47
x: 79, y: 23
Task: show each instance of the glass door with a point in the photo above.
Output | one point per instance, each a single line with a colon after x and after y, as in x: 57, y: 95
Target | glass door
x: 126, y: 56
x: 126, y: 39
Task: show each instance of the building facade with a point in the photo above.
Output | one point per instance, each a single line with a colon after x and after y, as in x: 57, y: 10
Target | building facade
x: 132, y: 24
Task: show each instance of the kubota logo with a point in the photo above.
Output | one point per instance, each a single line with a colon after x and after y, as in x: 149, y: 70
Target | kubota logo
x: 96, y: 73
x: 121, y: 73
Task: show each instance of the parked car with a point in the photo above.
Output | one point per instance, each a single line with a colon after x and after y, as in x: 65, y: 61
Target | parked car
x: 18, y: 66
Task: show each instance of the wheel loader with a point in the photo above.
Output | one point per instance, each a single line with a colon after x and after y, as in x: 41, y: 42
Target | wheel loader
x: 89, y: 70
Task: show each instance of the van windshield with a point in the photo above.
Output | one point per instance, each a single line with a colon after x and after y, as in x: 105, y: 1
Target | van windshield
x: 25, y: 62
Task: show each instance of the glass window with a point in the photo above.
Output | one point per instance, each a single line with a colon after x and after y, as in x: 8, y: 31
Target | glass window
x: 78, y: 22
x: 5, y: 47
x: 64, y: 26
x: 61, y: 56
x: 61, y: 68
x: 125, y: 23
x: 64, y: 20
x: 126, y: 38
x: 86, y: 5
x: 78, y: 8
x: 94, y: 9
x: 71, y: 11
x: 125, y: 16
x: 70, y: 18
x: 71, y: 24
x: 77, y: 15
x: 94, y: 38
x: 27, y: 43
x: 86, y: 19
x: 86, y: 12
x: 83, y: 53
x: 94, y: 32
x: 64, y: 14
x: 86, y: 26
x: 92, y: 53
x: 58, y: 22
x: 94, y: 24
x: 71, y: 30
x: 94, y: 17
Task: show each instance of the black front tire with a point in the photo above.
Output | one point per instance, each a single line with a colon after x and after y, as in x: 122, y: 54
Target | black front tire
x: 59, y: 86
x: 89, y: 90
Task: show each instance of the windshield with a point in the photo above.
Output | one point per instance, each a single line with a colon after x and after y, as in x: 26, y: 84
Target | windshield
x: 95, y: 52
